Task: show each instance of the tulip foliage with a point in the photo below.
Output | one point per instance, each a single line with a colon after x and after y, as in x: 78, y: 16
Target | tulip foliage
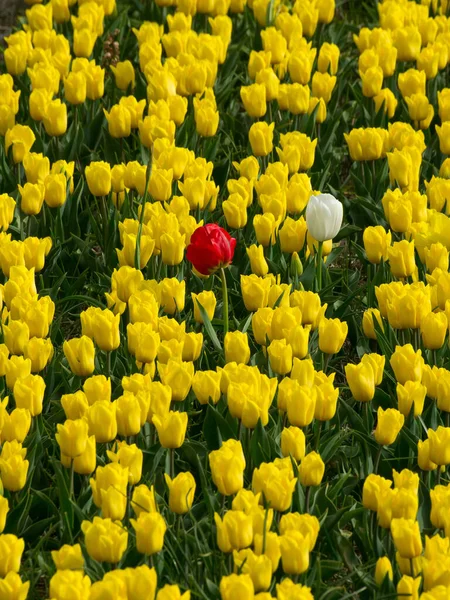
x: 225, y: 300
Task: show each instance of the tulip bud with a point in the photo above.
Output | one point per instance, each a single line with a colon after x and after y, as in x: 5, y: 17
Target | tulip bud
x: 143, y: 500
x: 124, y: 75
x: 261, y: 138
x: 296, y: 268
x: 311, y: 470
x: 98, y: 176
x: 366, y: 144
x: 102, y: 420
x: 16, y: 368
x: 407, y: 364
x: 412, y: 393
x: 255, y: 292
x: 390, y: 422
x: 85, y: 463
x: 409, y: 587
x: 369, y: 317
x: 97, y: 388
x: 171, y: 592
x: 7, y: 206
x: 276, y: 483
x: 236, y: 347
x: 439, y: 445
x: 293, y: 235
x: 401, y: 258
x: 423, y: 456
x: 227, y: 467
x: 68, y: 558
x: 4, y: 507
x: 383, y: 569
x: 181, y: 492
x: 235, y: 531
x: 55, y: 118
x: 113, y: 535
x: 280, y: 356
x: 259, y: 567
x: 130, y: 457
x: 293, y: 443
x: 72, y: 437
x: 75, y: 405
x: 32, y: 198
x: 300, y: 402
x: 323, y: 217
x: 173, y: 295
x: 171, y: 428
x: 29, y: 393
x: 406, y: 535
x: 80, y: 354
x: 11, y: 550
x: 206, y: 117
x: 323, y: 84
x: 206, y: 386
x: 55, y: 190
x: 332, y: 335
x: 13, y: 469
x: 21, y: 138
x: 150, y: 530
x: 83, y: 42
x: 433, y: 328
x: 374, y: 485
x: 208, y: 301
x: 294, y: 552
x: 128, y: 414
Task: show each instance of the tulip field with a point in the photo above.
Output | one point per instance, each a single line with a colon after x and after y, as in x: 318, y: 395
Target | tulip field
x: 225, y: 300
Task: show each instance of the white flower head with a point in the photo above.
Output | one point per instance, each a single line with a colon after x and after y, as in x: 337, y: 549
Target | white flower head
x: 324, y: 217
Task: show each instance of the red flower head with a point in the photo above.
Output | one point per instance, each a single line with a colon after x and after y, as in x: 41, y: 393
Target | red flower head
x: 211, y: 248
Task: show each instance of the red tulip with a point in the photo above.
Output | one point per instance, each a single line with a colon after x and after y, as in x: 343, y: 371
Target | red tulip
x: 211, y: 248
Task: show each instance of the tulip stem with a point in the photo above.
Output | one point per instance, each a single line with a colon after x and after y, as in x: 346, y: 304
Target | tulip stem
x: 225, y: 300
x: 108, y: 365
x: 319, y: 430
x: 377, y: 460
x: 71, y: 479
x: 172, y: 462
x: 307, y: 498
x: 319, y: 266
x: 266, y: 513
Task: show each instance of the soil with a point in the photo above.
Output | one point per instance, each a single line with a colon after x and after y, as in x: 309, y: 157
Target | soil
x: 8, y: 12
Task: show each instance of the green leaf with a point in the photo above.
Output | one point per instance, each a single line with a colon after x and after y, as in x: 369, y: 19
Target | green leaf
x: 260, y: 445
x: 209, y: 328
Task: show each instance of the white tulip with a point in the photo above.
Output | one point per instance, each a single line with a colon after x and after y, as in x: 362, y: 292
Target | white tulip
x: 323, y: 217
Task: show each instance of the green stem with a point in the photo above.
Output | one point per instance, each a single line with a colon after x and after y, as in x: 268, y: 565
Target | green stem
x: 225, y: 300
x: 172, y: 463
x: 137, y: 255
x: 307, y: 498
x: 108, y: 365
x: 377, y: 459
x: 435, y: 361
x: 319, y: 430
x: 319, y: 266
x: 265, y: 530
x: 71, y: 495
